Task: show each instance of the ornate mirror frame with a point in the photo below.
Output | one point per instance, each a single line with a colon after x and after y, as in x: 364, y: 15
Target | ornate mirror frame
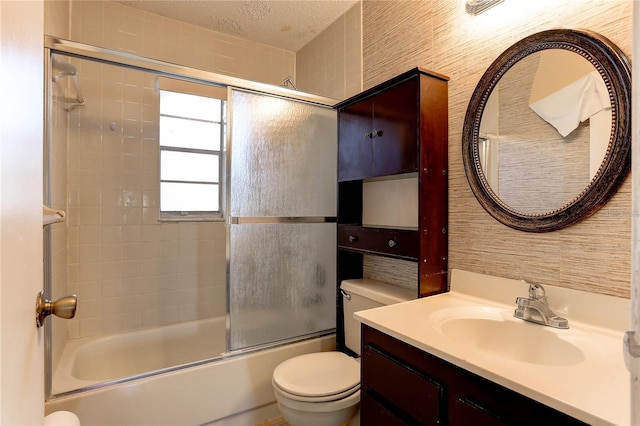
x: 614, y: 68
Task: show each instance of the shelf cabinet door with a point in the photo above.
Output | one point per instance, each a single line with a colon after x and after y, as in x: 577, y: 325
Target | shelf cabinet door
x: 395, y: 112
x: 355, y: 152
x: 379, y: 134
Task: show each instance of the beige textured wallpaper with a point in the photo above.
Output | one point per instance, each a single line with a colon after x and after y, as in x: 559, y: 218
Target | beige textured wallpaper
x: 594, y: 255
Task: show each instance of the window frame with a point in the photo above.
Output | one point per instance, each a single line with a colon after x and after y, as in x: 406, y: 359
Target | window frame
x: 190, y: 215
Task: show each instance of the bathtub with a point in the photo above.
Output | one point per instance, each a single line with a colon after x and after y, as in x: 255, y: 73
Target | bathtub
x: 233, y: 390
x: 89, y: 361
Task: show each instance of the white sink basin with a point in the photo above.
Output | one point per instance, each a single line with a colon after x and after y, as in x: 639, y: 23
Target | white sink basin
x: 497, y: 333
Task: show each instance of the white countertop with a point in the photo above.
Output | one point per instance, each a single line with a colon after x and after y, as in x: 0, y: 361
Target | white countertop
x: 594, y: 389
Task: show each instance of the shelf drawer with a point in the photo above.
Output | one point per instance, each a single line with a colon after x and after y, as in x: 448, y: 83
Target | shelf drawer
x: 399, y: 386
x: 398, y: 243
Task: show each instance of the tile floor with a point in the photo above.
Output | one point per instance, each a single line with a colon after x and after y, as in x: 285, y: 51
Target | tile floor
x: 277, y: 421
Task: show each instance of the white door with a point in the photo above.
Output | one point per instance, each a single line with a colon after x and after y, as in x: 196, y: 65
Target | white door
x: 21, y: 126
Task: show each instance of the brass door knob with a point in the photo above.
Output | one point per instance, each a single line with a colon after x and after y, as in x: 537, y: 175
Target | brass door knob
x: 65, y: 307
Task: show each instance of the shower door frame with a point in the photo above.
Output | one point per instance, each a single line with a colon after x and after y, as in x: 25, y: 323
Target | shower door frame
x: 53, y: 45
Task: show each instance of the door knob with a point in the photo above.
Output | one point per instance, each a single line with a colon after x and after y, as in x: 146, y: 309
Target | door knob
x: 65, y: 307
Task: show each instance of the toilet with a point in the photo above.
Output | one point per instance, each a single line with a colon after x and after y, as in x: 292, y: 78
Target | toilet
x: 323, y: 388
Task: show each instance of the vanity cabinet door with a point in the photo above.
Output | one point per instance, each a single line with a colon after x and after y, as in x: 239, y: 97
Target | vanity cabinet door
x: 405, y: 391
x: 379, y: 134
x: 466, y: 412
x: 378, y: 414
x: 419, y: 388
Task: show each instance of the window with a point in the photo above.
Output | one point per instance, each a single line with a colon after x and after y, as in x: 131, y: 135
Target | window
x: 192, y: 134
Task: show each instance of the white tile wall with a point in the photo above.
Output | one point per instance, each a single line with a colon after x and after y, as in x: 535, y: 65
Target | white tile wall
x: 116, y: 26
x: 331, y: 64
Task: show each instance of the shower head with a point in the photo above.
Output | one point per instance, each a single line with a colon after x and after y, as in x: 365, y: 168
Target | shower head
x: 289, y: 81
x: 66, y: 69
x: 62, y: 69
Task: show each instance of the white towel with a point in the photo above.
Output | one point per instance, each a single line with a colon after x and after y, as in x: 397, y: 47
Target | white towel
x: 574, y: 103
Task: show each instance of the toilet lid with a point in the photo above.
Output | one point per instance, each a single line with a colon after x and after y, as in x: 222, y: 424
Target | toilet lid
x: 318, y: 374
x: 326, y: 398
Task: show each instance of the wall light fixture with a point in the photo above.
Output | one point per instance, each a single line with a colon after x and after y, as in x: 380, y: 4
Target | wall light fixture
x: 476, y: 7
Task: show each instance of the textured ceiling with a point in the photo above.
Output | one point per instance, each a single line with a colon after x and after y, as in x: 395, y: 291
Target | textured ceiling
x: 288, y: 24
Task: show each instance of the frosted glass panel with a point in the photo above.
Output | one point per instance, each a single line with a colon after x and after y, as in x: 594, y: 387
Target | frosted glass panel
x: 283, y: 157
x: 282, y: 280
x: 282, y: 276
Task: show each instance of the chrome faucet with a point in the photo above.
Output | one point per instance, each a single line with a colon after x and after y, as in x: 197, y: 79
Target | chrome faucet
x: 536, y: 309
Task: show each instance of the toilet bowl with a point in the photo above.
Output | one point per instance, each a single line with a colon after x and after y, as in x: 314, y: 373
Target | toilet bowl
x: 61, y: 418
x: 326, y: 394
x: 323, y: 388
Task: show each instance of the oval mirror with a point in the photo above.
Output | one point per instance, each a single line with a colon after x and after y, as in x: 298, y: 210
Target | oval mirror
x: 547, y: 134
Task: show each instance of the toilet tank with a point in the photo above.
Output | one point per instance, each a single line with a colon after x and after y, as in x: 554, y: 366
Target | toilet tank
x: 361, y: 294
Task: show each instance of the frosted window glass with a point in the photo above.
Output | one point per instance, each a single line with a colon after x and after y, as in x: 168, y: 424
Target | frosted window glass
x: 188, y: 166
x: 284, y: 157
x: 185, y: 133
x: 192, y: 197
x: 185, y: 105
x: 282, y: 280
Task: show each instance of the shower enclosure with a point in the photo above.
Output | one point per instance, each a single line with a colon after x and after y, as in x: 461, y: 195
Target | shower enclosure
x: 246, y: 262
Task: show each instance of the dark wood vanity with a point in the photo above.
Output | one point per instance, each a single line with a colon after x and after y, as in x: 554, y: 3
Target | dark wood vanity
x: 396, y: 128
x: 403, y: 385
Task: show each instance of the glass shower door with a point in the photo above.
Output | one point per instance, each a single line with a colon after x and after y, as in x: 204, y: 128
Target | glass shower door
x: 282, y: 214
x: 155, y: 286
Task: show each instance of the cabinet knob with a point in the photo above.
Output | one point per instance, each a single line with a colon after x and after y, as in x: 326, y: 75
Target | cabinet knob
x: 372, y: 134
x: 392, y: 243
x: 353, y: 238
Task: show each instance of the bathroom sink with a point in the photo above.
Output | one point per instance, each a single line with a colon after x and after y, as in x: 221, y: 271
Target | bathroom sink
x: 494, y: 331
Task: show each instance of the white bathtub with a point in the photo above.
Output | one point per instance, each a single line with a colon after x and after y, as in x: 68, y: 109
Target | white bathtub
x: 228, y: 391
x: 86, y: 362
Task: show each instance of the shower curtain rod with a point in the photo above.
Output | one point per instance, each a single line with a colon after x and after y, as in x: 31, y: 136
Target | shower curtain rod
x: 81, y: 50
